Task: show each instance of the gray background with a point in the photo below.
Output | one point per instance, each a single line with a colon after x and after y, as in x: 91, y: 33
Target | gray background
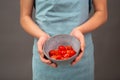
x: 16, y: 45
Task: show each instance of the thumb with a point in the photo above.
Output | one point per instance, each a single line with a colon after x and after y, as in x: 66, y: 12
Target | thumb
x: 82, y: 43
x: 40, y: 45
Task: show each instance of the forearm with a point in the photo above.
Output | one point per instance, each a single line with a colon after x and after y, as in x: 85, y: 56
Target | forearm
x: 94, y: 22
x: 99, y: 17
x: 30, y: 27
x: 26, y: 21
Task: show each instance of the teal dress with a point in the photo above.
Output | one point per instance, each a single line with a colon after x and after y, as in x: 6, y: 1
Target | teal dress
x: 61, y: 17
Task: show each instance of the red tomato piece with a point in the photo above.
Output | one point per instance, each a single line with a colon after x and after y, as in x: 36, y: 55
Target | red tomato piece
x: 58, y: 57
x: 59, y: 51
x: 63, y: 52
x: 69, y: 47
x: 54, y: 57
x: 61, y: 47
x: 56, y: 52
x: 68, y: 51
x: 52, y: 52
x: 72, y: 52
x: 66, y: 56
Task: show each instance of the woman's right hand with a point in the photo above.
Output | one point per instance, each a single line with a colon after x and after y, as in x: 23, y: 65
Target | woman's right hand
x: 40, y: 43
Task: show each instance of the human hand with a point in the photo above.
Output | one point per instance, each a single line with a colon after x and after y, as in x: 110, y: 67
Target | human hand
x: 40, y: 43
x: 79, y: 35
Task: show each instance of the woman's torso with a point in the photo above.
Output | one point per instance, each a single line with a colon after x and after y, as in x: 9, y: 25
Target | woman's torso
x: 61, y: 16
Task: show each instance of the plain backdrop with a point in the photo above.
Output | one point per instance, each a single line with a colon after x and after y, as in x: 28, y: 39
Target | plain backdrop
x: 16, y: 45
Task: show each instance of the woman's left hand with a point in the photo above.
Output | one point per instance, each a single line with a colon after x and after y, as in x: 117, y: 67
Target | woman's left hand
x: 79, y: 35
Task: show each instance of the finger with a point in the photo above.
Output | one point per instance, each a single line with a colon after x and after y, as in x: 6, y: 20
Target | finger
x: 82, y: 45
x: 50, y: 63
x: 78, y: 58
x: 44, y: 60
x: 53, y: 65
x: 82, y: 40
x: 40, y: 45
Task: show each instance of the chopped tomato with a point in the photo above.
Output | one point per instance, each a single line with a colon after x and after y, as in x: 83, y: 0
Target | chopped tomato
x: 52, y: 52
x: 69, y: 47
x: 62, y: 52
x: 61, y: 47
